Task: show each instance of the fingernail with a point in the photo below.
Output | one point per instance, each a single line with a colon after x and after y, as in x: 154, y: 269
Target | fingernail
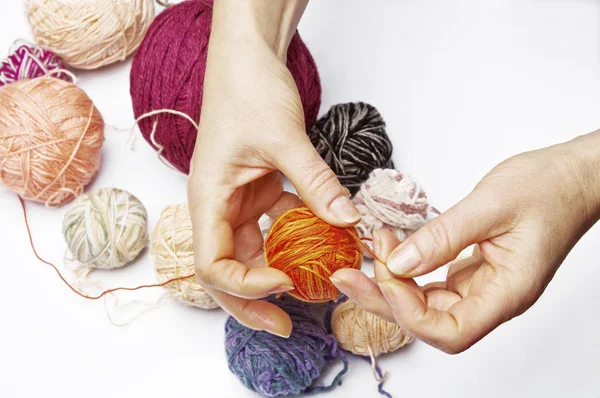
x: 347, y: 192
x: 404, y: 259
x: 376, y: 243
x: 343, y: 208
x: 285, y: 336
x: 281, y: 289
x: 341, y: 285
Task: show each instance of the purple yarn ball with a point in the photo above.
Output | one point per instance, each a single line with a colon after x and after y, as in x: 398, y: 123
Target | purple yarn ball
x: 28, y: 62
x: 274, y: 366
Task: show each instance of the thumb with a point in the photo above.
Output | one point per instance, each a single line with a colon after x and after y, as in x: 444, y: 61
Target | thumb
x: 316, y: 184
x: 440, y: 241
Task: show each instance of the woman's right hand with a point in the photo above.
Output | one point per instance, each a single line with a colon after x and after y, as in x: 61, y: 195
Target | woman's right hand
x: 524, y: 216
x: 251, y: 128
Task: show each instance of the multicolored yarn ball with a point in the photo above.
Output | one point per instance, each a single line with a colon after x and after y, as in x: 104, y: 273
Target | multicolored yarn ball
x: 29, y: 61
x: 92, y: 33
x: 392, y: 201
x: 274, y: 366
x: 51, y: 136
x: 168, y: 73
x: 171, y: 248
x: 106, y: 228
x: 365, y: 334
x: 351, y: 138
x: 309, y: 250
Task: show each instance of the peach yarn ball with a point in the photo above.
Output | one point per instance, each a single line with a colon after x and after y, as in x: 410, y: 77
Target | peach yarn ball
x: 363, y: 333
x: 51, y: 136
x: 171, y: 248
x: 88, y: 34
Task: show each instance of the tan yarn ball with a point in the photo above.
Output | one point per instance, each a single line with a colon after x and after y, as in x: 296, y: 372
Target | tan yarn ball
x: 106, y: 228
x: 171, y: 247
x: 88, y: 34
x: 51, y: 136
x: 357, y: 330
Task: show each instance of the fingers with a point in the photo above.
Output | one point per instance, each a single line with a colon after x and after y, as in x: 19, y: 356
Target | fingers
x: 248, y: 243
x: 363, y: 291
x: 441, y: 240
x: 459, y: 327
x: 285, y: 202
x: 316, y: 183
x: 254, y: 314
x: 213, y: 210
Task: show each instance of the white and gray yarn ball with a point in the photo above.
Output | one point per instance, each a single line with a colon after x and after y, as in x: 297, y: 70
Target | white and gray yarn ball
x: 106, y: 228
x: 394, y: 202
x: 352, y: 140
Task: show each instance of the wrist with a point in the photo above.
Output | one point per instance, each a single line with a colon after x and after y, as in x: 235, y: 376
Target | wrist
x: 270, y: 23
x: 583, y: 155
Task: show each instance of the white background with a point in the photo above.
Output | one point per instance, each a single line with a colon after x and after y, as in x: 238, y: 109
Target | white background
x: 462, y: 85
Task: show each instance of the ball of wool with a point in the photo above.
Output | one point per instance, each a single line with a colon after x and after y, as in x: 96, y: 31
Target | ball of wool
x: 309, y: 250
x: 51, y: 136
x: 28, y: 62
x: 106, y: 228
x: 392, y: 201
x: 361, y: 332
x: 351, y: 138
x: 272, y: 365
x: 168, y: 73
x: 171, y: 248
x: 88, y: 34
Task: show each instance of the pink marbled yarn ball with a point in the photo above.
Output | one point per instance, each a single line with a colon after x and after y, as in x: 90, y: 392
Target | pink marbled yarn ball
x: 29, y: 61
x: 392, y: 201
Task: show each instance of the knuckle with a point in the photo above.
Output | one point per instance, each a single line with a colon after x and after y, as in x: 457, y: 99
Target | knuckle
x: 320, y: 180
x: 440, y: 238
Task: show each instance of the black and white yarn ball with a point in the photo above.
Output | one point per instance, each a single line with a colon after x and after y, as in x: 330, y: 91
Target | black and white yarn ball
x: 351, y: 138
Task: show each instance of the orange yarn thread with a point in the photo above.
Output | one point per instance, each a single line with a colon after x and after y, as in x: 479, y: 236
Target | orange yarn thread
x: 309, y: 250
x: 51, y: 136
x: 85, y: 296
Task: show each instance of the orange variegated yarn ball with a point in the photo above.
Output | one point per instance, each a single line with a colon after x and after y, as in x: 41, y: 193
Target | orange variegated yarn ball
x: 309, y: 250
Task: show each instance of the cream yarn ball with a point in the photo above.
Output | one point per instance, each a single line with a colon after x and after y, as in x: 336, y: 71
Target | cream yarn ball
x: 392, y: 201
x: 358, y: 331
x: 171, y: 248
x: 106, y: 228
x: 88, y: 34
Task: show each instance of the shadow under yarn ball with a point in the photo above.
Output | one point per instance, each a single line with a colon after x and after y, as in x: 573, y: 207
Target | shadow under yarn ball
x: 352, y: 139
x: 168, y: 73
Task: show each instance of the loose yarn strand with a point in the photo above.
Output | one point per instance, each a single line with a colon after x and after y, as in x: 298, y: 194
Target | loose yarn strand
x: 336, y: 380
x: 104, y: 293
x: 155, y: 125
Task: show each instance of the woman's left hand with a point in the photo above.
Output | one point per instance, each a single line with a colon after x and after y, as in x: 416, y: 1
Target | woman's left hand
x: 524, y: 217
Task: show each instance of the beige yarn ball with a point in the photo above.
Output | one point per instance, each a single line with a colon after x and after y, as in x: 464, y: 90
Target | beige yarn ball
x: 106, y: 228
x: 88, y: 34
x: 171, y: 247
x: 357, y: 330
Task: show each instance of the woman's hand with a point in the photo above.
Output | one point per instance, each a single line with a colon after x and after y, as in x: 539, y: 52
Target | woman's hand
x: 252, y: 127
x: 525, y: 216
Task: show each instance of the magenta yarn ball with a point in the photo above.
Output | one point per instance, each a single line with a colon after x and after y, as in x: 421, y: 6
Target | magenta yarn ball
x: 168, y: 73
